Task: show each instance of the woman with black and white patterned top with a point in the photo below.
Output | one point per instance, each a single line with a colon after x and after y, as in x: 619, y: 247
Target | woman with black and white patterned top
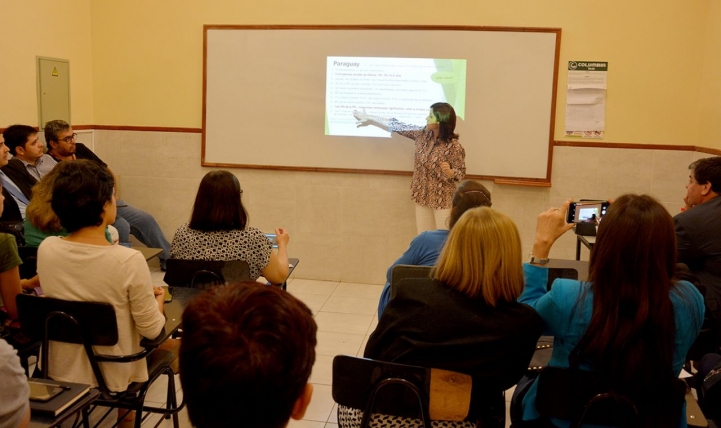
x: 218, y: 230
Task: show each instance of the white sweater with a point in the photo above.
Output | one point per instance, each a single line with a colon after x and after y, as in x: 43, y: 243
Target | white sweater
x: 109, y: 274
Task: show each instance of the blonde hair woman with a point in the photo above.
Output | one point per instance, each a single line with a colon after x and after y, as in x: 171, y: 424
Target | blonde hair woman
x: 466, y: 317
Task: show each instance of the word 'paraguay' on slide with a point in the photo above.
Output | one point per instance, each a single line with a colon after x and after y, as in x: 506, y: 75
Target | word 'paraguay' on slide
x: 401, y: 88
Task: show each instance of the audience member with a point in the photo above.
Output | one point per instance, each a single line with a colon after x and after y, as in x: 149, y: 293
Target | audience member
x: 40, y: 219
x: 17, y: 184
x: 698, y: 229
x: 220, y: 231
x: 439, y: 161
x: 246, y: 356
x: 85, y: 266
x: 632, y: 322
x: 465, y: 318
x: 15, y: 392
x: 10, y: 284
x: 28, y: 152
x: 426, y: 247
x: 62, y: 146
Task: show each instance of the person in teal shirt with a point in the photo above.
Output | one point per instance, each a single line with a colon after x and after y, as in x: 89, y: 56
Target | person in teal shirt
x: 632, y: 323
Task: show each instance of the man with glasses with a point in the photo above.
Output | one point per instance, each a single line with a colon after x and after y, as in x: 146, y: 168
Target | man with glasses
x: 62, y: 146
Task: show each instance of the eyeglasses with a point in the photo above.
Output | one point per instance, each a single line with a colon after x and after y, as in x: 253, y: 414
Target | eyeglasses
x: 69, y: 138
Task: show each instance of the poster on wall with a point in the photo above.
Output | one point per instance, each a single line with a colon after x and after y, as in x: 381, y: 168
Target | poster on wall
x: 586, y: 99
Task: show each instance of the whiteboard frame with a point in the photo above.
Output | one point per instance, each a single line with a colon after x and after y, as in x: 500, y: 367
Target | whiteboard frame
x: 542, y: 182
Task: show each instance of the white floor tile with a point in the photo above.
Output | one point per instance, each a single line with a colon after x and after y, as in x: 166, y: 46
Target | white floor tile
x: 321, y: 404
x: 362, y: 348
x: 314, y: 301
x: 332, y: 344
x: 322, y: 370
x: 333, y: 418
x: 305, y: 424
x: 373, y: 325
x: 363, y: 291
x: 343, y: 323
x: 350, y: 305
x: 311, y: 286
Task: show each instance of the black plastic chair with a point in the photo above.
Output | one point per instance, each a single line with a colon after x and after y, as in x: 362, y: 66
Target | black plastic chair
x: 204, y: 273
x: 400, y: 390
x: 576, y: 396
x: 401, y: 272
x: 94, y: 324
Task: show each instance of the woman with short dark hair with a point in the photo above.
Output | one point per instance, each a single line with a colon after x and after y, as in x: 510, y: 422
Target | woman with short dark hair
x: 218, y: 230
x: 84, y: 266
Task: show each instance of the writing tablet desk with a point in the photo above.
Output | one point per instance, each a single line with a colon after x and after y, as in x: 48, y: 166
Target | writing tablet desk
x: 173, y: 310
x: 587, y: 241
x: 46, y: 421
x: 544, y: 347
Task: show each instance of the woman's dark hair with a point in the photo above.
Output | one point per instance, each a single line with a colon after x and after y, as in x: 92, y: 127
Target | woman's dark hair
x: 470, y: 194
x: 81, y: 190
x: 630, y: 339
x: 217, y: 204
x: 446, y: 117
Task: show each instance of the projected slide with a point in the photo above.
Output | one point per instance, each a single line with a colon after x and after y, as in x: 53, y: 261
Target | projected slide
x: 403, y: 88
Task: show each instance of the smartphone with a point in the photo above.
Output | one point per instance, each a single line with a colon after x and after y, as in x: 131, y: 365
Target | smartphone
x: 44, y: 392
x: 168, y: 295
x: 272, y: 238
x: 586, y: 211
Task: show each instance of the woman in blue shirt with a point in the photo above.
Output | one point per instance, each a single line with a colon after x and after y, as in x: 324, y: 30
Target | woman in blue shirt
x: 632, y: 323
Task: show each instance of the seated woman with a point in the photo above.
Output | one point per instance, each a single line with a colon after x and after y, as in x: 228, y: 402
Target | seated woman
x: 218, y: 230
x: 85, y: 266
x: 40, y: 219
x: 466, y: 319
x: 9, y: 273
x: 632, y: 322
x: 426, y: 247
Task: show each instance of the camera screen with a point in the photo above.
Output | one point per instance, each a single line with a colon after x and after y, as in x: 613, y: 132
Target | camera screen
x: 586, y: 212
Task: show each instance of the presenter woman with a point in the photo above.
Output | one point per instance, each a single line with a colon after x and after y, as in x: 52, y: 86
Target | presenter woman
x: 439, y: 162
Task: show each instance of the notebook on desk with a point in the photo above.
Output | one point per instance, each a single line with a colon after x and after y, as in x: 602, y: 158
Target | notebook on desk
x: 71, y: 392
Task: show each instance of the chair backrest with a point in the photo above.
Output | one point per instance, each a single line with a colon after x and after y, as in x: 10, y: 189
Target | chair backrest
x: 400, y: 390
x: 98, y: 321
x: 86, y: 323
x: 576, y: 395
x: 203, y: 273
x: 555, y: 273
x: 401, y: 272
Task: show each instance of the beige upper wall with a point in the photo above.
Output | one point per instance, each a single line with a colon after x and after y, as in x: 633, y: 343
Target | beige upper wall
x: 56, y: 29
x: 135, y: 62
x: 710, y: 97
x: 148, y: 57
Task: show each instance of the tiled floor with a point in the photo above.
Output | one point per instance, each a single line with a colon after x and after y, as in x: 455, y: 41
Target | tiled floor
x: 346, y: 314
